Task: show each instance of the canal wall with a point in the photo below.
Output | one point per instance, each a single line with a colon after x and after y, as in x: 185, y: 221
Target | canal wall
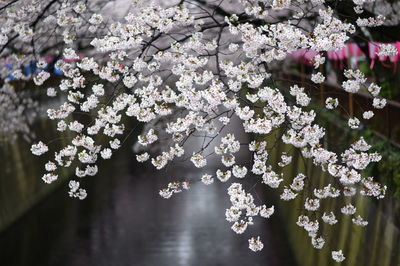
x: 21, y: 185
x: 377, y: 244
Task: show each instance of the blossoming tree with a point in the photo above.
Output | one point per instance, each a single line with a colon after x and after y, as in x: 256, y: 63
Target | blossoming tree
x: 187, y: 69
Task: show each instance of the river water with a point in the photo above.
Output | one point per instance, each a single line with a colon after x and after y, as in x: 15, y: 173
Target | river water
x: 124, y: 222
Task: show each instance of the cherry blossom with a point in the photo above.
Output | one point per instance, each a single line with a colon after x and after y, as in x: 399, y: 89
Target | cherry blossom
x: 187, y: 72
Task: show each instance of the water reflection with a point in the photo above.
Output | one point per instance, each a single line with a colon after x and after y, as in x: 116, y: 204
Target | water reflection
x: 125, y: 222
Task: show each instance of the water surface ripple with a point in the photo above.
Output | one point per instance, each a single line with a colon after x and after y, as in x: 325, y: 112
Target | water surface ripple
x: 124, y: 222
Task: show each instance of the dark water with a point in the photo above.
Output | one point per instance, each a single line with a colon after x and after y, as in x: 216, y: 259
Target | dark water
x: 124, y: 222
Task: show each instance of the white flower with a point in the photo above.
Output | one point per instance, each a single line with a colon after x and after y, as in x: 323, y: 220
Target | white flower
x: 39, y: 148
x: 374, y: 89
x: 317, y: 242
x: 224, y: 120
x: 75, y: 191
x: 267, y: 212
x: 91, y: 170
x: 318, y: 60
x: 41, y: 78
x: 165, y: 193
x: 359, y: 221
x: 223, y: 176
x: 239, y: 171
x: 317, y: 78
x: 298, y: 182
x: 239, y: 227
x: 106, y: 153
x: 232, y: 214
x: 75, y: 126
x: 311, y: 204
x: 302, y: 220
x: 115, y: 144
x: 50, y: 166
x: 228, y: 160
x: 70, y: 54
x: 348, y: 209
x: 129, y: 81
x: 351, y: 86
x: 285, y: 160
x: 272, y: 179
x: 354, y: 123
x: 198, y: 160
x: 148, y: 139
x: 49, y: 178
x: 331, y: 103
x: 368, y: 115
x: 371, y: 21
x: 387, y: 50
x: 287, y: 194
x: 51, y: 92
x: 338, y: 256
x: 329, y: 218
x: 96, y: 19
x: 80, y: 7
x: 61, y: 125
x: 3, y: 39
x: 379, y: 103
x: 98, y: 89
x: 207, y: 179
x: 233, y: 47
x: 142, y: 157
x: 255, y: 244
x: 349, y: 191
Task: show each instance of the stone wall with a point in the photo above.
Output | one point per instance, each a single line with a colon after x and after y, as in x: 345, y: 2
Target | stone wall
x: 21, y: 185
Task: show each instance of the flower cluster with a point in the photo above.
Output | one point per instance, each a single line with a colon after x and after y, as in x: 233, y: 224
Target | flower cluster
x: 174, y: 187
x: 243, y: 210
x: 187, y: 75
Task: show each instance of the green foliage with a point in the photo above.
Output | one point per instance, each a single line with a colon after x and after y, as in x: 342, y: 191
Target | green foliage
x: 387, y: 89
x: 364, y: 68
